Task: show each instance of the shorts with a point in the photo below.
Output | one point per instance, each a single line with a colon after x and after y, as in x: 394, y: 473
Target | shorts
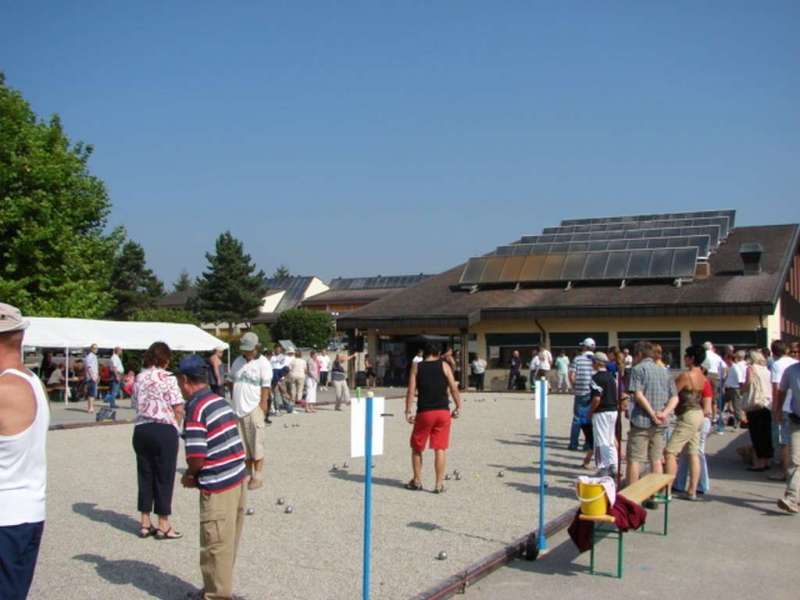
x: 646, y: 445
x: 19, y: 550
x: 91, y: 388
x: 784, y: 435
x: 433, y: 425
x: 686, y: 433
x: 252, y: 428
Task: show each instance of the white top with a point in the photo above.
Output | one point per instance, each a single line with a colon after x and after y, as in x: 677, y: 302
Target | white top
x: 479, y: 366
x: 116, y: 364
x: 417, y: 359
x: 248, y: 378
x: 778, y: 367
x: 714, y: 363
x: 278, y: 361
x: 298, y: 367
x: 324, y: 362
x: 92, y: 370
x: 56, y: 377
x: 545, y: 359
x: 23, y: 464
x: 536, y: 364
x: 735, y: 377
x: 628, y: 361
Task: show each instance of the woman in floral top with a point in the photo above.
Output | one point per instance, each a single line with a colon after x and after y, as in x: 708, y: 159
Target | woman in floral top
x: 159, y: 414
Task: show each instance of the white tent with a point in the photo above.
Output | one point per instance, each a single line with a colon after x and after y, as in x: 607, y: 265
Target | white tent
x: 47, y: 332
x: 50, y: 332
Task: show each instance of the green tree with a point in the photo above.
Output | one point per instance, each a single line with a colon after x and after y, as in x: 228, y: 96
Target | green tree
x: 134, y: 286
x: 282, y: 272
x: 163, y: 315
x: 183, y: 283
x: 55, y: 257
x: 306, y: 328
x: 264, y: 336
x: 230, y: 290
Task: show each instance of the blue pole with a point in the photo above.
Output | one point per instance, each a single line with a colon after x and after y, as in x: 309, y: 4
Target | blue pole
x: 367, y: 495
x: 542, y: 437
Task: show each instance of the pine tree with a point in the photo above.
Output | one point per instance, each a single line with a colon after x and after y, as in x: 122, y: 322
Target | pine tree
x: 282, y: 272
x: 183, y: 283
x: 134, y: 286
x: 230, y: 290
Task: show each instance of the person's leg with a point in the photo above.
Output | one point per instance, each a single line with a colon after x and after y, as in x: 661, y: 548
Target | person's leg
x: 338, y: 390
x: 792, y: 494
x: 656, y: 450
x: 694, y: 474
x: 704, y: 484
x: 91, y: 392
x: 19, y: 550
x: 166, y: 459
x: 218, y: 529
x: 440, y: 465
x: 575, y: 427
x: 637, y: 452
x: 145, y: 474
x: 416, y: 467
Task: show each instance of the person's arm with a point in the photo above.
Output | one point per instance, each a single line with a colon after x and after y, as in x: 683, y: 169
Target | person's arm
x: 215, y: 363
x: 451, y: 383
x: 683, y: 381
x: 196, y: 435
x: 411, y: 392
x: 179, y: 413
x: 596, y: 398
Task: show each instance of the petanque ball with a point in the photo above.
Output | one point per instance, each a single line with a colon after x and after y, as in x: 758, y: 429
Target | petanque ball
x: 447, y: 477
x: 289, y: 510
x: 442, y: 555
x: 458, y: 477
x: 501, y: 474
x: 250, y: 511
x: 345, y: 465
x: 281, y: 501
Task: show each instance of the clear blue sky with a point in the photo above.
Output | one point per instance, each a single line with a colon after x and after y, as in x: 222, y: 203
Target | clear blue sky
x: 358, y: 138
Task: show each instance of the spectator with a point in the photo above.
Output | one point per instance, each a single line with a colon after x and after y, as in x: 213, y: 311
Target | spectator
x: 298, y: 370
x: 734, y: 380
x: 24, y: 420
x: 562, y: 371
x: 369, y: 368
x: 533, y: 369
x: 280, y: 368
x: 479, y: 372
x: 215, y: 458
x: 514, y: 370
x: 652, y: 387
x: 545, y: 364
x: 689, y: 407
x: 91, y: 371
x: 790, y: 381
x: 159, y: 415
x: 117, y: 372
x: 603, y: 415
x: 250, y: 380
x: 715, y: 369
x: 381, y: 367
x: 781, y: 361
x: 312, y: 381
x: 704, y: 483
x: 325, y: 368
x: 757, y: 404
x: 581, y: 379
x: 215, y: 378
x: 418, y: 357
x: 339, y: 378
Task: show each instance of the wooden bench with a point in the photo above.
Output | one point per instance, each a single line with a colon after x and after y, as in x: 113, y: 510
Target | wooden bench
x: 650, y: 486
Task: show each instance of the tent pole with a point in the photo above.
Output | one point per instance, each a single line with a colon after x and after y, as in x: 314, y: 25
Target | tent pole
x: 66, y: 377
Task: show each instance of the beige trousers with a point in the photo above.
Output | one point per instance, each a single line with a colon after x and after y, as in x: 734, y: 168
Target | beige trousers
x: 221, y: 519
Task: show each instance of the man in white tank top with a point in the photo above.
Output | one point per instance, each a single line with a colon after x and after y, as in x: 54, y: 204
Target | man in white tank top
x: 24, y: 420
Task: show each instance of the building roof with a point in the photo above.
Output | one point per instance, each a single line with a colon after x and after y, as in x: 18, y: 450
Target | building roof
x: 349, y: 296
x: 294, y: 288
x: 363, y: 290
x: 437, y: 301
x: 177, y: 299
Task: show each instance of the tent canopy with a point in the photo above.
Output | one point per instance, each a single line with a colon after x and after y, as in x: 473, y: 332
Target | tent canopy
x: 50, y: 332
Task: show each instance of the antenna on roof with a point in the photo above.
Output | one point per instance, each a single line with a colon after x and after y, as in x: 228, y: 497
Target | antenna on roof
x: 678, y: 282
x: 622, y: 285
x: 569, y: 286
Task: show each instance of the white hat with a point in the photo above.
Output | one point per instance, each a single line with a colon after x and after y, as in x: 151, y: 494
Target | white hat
x: 588, y: 343
x: 11, y: 319
x: 601, y: 357
x: 248, y: 342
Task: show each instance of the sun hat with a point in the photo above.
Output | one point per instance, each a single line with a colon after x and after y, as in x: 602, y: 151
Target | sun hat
x: 248, y: 342
x: 11, y: 319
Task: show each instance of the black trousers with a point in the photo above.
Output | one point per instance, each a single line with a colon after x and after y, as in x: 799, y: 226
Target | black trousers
x: 156, y: 446
x: 759, y: 423
x: 479, y: 378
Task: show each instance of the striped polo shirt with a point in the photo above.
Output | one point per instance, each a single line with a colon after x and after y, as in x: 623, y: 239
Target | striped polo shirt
x: 210, y: 432
x: 583, y: 366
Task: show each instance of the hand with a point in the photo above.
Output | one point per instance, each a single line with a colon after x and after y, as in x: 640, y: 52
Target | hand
x: 456, y: 413
x: 188, y: 481
x: 410, y: 418
x: 660, y: 418
x: 778, y: 416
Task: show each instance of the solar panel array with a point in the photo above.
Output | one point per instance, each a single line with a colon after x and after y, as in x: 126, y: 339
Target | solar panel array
x: 376, y: 283
x: 614, y: 248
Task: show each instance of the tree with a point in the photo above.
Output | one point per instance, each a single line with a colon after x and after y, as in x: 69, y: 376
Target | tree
x: 264, y: 337
x: 306, y: 328
x: 135, y: 287
x: 230, y: 290
x: 183, y: 283
x: 282, y: 272
x: 164, y: 315
x: 55, y: 257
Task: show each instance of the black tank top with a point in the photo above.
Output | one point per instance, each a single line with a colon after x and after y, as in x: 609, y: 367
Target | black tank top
x: 432, y: 386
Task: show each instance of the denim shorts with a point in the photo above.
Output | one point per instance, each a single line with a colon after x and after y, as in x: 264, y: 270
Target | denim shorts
x: 91, y: 388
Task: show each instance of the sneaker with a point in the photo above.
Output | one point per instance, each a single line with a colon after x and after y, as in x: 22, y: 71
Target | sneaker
x: 786, y: 506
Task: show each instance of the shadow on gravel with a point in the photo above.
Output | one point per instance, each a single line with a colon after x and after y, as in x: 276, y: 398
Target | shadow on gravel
x: 559, y: 561
x: 124, y: 523
x: 344, y: 476
x: 426, y: 526
x: 144, y: 576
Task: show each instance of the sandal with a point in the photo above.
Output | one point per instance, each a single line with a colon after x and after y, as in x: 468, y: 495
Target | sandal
x: 146, y: 532
x: 412, y: 485
x: 165, y: 535
x: 439, y: 489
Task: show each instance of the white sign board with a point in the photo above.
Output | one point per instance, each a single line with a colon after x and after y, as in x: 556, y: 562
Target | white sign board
x: 358, y: 421
x: 537, y: 401
x: 494, y: 351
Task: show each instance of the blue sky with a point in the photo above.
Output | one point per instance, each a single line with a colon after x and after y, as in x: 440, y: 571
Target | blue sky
x: 365, y: 138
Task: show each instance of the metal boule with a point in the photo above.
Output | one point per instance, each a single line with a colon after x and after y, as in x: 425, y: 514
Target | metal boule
x: 442, y: 555
x: 250, y: 511
x: 281, y: 501
x: 501, y: 474
x: 447, y: 477
x: 289, y: 510
x: 334, y: 468
x: 458, y: 477
x: 345, y: 465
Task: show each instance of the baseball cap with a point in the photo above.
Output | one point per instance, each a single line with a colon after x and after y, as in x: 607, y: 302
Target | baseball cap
x: 193, y: 365
x: 11, y: 319
x: 588, y: 342
x: 601, y: 357
x: 248, y: 342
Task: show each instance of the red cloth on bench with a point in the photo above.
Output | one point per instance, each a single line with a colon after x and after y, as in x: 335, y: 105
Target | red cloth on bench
x: 627, y: 515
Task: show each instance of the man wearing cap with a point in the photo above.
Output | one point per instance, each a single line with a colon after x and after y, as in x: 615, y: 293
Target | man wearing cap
x: 91, y: 371
x: 24, y: 420
x: 215, y: 458
x: 580, y: 376
x: 652, y: 388
x: 604, y: 416
x: 251, y: 381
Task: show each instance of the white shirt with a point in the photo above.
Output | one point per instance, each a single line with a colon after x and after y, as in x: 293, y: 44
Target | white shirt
x: 628, y: 361
x: 278, y: 361
x: 91, y: 367
x: 56, y: 377
x: 536, y: 364
x: 324, y: 362
x: 417, y: 359
x: 116, y: 364
x: 778, y: 367
x: 545, y: 360
x: 479, y: 366
x: 248, y: 378
x: 736, y: 377
x: 714, y: 363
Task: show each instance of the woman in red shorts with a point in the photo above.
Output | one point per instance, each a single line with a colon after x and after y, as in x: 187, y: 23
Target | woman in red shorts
x: 431, y: 379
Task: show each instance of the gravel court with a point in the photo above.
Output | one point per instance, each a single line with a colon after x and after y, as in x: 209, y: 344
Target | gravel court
x: 90, y: 549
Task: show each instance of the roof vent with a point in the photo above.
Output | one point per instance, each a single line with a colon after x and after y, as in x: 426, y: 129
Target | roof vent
x: 751, y: 257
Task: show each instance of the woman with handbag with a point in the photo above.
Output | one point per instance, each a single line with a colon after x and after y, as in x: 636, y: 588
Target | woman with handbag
x: 757, y: 404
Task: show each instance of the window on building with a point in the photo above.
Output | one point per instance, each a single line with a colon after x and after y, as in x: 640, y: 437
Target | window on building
x: 571, y: 342
x: 670, y: 342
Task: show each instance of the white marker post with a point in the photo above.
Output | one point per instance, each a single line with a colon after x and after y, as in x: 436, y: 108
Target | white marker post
x: 540, y: 403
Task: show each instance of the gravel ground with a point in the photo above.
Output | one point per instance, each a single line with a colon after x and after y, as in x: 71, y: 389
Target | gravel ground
x: 90, y: 549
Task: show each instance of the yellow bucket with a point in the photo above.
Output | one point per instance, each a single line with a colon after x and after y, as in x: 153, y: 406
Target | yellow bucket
x: 594, y: 501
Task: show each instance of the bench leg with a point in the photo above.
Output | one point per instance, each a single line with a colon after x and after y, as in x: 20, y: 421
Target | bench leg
x: 591, y: 555
x: 620, y: 554
x: 666, y: 511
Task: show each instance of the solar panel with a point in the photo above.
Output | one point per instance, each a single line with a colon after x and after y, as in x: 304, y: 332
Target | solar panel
x: 491, y: 272
x: 473, y: 270
x: 731, y: 214
x: 712, y: 231
x: 723, y: 223
x: 702, y: 242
